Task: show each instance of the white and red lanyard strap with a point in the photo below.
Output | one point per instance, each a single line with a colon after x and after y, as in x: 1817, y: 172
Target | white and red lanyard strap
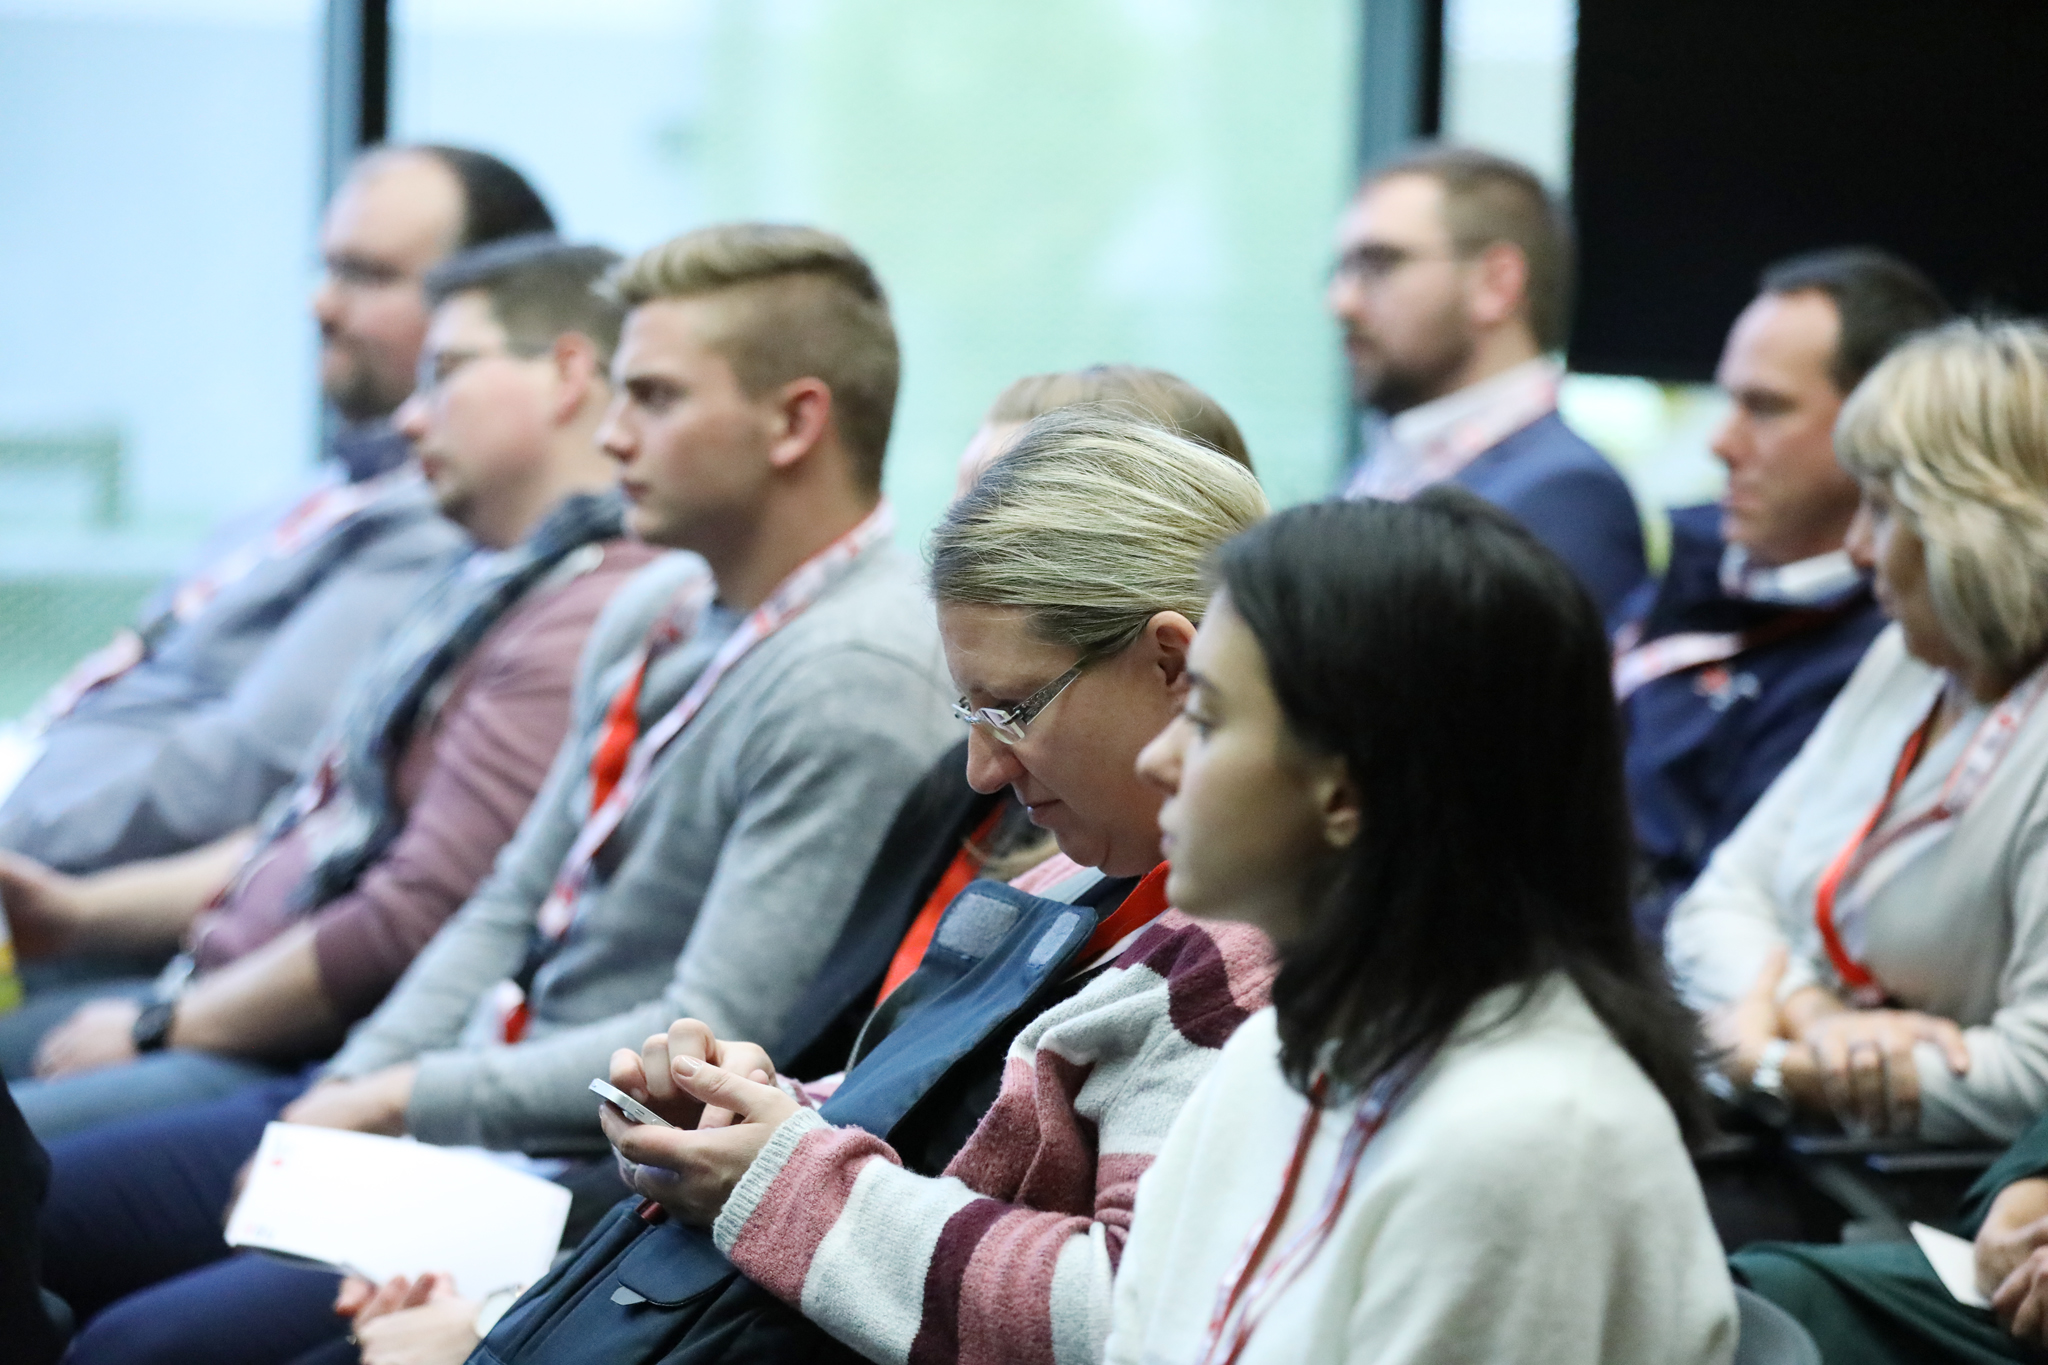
x: 318, y: 513
x: 804, y: 585
x: 1638, y: 665
x: 1987, y: 748
x: 1254, y: 1285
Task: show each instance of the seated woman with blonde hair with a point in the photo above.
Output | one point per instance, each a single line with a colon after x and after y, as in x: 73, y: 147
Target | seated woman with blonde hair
x: 964, y: 1191
x: 1872, y: 941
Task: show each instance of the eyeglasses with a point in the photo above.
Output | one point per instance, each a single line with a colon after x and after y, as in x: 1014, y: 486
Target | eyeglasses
x: 1376, y: 262
x: 436, y: 368
x: 361, y: 273
x: 1008, y: 726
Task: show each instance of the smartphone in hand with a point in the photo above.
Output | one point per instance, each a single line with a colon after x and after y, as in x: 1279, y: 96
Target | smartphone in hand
x: 628, y: 1106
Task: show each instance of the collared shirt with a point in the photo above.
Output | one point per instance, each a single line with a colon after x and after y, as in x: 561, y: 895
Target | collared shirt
x: 1435, y: 441
x: 1802, y: 583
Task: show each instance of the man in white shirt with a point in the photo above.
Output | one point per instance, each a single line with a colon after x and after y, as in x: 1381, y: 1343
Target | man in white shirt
x: 1453, y: 286
x: 1725, y: 666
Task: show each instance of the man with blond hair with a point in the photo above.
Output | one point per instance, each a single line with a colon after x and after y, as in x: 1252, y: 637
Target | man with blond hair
x: 750, y: 716
x: 1453, y: 287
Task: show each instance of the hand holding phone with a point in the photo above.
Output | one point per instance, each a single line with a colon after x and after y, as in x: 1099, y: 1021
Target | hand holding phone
x: 628, y: 1106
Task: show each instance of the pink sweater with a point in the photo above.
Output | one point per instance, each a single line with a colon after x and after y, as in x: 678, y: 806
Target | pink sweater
x: 1009, y: 1255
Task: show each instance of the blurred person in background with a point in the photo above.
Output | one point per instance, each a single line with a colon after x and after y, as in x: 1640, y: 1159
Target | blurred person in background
x: 740, y: 739
x: 180, y: 730
x: 429, y: 764
x: 1154, y: 395
x: 1724, y: 667
x: 1453, y: 285
x: 1871, y: 942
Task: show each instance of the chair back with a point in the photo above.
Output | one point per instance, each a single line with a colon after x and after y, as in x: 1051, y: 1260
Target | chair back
x: 1767, y: 1335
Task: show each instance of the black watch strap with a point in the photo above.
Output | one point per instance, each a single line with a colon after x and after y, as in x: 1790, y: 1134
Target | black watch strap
x: 153, y: 1026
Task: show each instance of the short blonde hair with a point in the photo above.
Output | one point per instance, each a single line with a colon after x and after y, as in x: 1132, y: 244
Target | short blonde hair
x: 1955, y: 424
x: 799, y: 303
x: 1093, y: 522
x: 1155, y: 395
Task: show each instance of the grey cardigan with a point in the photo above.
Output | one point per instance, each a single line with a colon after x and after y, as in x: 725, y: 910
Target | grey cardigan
x: 191, y: 742
x: 723, y: 889
x: 1961, y: 931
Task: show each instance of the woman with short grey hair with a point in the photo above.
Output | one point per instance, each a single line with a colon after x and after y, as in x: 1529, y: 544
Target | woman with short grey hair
x: 1872, y: 941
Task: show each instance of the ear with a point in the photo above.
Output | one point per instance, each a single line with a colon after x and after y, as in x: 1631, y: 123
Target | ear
x: 1336, y: 797
x: 800, y: 417
x: 1169, y: 635
x: 1498, y: 286
x: 577, y: 375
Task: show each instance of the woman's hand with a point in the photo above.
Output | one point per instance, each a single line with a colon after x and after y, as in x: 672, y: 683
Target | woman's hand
x: 1865, y: 1063
x: 649, y: 1075
x: 1741, y: 1029
x: 100, y: 1033
x: 44, y: 907
x: 2021, y: 1299
x: 2014, y: 1227
x: 692, y: 1173
x: 421, y: 1322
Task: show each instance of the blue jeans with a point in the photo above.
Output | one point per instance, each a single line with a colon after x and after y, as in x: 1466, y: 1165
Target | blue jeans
x: 158, y: 1082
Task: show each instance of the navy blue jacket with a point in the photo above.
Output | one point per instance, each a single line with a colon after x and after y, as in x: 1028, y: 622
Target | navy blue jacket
x: 1562, y: 489
x: 1704, y: 743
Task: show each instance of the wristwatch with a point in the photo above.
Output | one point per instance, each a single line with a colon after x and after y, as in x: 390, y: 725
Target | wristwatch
x: 1767, y: 1082
x: 493, y: 1308
x: 153, y: 1026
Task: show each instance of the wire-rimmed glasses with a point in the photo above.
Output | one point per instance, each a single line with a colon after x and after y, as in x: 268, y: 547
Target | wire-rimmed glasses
x: 1008, y: 726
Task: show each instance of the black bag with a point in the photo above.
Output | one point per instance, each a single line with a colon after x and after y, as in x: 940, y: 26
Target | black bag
x: 642, y: 1290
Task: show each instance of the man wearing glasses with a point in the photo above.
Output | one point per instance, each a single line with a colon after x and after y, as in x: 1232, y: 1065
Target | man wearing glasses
x: 1453, y: 287
x: 295, y: 929
x: 183, y: 727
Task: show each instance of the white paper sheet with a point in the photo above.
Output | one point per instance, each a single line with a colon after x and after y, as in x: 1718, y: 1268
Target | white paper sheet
x: 1954, y: 1260
x: 384, y: 1206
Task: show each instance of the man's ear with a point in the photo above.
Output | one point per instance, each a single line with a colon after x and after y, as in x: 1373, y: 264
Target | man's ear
x: 1499, y: 286
x: 577, y: 375
x: 800, y: 416
x: 1170, y: 635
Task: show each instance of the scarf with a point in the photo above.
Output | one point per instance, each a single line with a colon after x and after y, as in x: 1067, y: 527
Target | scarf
x: 405, y: 684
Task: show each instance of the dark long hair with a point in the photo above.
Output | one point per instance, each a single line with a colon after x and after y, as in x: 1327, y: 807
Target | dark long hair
x: 1462, y: 673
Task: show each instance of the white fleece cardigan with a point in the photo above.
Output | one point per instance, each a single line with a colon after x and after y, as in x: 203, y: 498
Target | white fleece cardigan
x: 1531, y: 1200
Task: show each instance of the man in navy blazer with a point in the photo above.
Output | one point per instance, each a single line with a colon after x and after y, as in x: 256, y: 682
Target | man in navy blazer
x: 1725, y: 666
x: 1453, y: 285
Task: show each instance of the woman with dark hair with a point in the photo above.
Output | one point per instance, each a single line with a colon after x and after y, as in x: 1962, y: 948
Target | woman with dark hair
x: 1459, y: 1132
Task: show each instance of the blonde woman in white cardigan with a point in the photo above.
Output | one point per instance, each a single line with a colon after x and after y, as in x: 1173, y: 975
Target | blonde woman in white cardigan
x: 1872, y: 941
x: 1452, y: 1138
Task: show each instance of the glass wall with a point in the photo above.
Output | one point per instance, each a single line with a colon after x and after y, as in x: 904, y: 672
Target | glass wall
x: 1040, y: 186
x: 156, y: 365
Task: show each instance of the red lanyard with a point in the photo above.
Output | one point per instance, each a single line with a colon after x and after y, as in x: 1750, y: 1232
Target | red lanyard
x: 1146, y: 903
x: 964, y: 868
x: 1248, y: 1293
x: 1854, y: 974
x: 620, y: 781
x: 1994, y: 736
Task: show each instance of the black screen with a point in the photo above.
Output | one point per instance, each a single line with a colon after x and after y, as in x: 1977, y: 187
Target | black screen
x: 1712, y: 138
